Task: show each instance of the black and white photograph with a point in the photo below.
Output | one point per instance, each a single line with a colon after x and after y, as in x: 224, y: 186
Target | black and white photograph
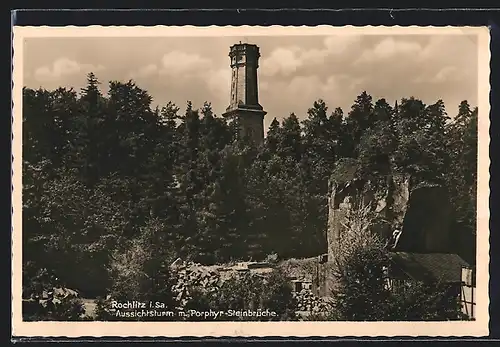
x: 231, y: 178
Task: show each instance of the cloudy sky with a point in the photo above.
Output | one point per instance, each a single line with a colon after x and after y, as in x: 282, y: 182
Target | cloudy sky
x: 294, y: 70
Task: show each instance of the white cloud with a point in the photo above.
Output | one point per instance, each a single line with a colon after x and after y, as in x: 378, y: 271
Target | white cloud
x: 179, y: 63
x: 300, y: 90
x: 145, y: 71
x: 293, y: 72
x: 64, y: 67
x: 283, y: 61
x: 301, y: 84
x: 218, y: 82
x: 447, y: 73
x: 436, y: 44
x: 314, y: 56
x: 341, y: 43
x: 390, y: 48
x: 188, y: 70
x: 356, y: 83
x: 264, y: 85
x: 286, y: 60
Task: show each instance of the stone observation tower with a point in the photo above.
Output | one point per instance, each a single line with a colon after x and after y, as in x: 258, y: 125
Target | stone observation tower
x: 244, y: 103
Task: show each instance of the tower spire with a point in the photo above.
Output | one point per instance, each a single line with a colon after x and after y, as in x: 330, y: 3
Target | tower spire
x: 244, y: 101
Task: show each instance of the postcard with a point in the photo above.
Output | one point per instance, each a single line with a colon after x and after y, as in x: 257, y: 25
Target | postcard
x: 250, y: 181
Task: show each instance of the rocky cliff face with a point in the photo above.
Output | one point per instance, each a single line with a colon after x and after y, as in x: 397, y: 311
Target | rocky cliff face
x: 426, y: 225
x: 412, y: 219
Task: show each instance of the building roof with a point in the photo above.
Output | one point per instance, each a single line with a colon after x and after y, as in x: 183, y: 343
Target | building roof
x: 444, y: 267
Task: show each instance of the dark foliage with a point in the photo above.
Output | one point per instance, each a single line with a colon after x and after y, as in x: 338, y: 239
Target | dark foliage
x: 249, y: 292
x: 103, y: 174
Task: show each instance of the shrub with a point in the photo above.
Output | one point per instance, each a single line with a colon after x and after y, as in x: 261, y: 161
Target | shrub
x: 277, y: 296
x: 141, y: 273
x: 363, y: 292
x: 53, y: 309
x: 425, y: 301
x: 46, y: 299
x: 241, y: 292
x: 360, y: 261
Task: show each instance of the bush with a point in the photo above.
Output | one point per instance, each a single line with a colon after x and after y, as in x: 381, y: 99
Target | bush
x: 427, y: 302
x: 277, y: 296
x: 360, y: 262
x: 247, y: 291
x: 141, y: 288
x: 363, y: 292
x: 141, y: 273
x: 103, y: 310
x: 46, y: 299
x: 53, y: 309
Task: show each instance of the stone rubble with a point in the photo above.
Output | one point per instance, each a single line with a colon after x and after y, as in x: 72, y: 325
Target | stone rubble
x: 307, y: 301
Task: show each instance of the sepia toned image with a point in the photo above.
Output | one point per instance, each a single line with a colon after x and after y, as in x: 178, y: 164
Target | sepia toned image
x: 250, y: 181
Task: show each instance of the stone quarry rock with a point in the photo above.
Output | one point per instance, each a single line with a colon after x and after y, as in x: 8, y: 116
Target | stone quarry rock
x: 307, y: 301
x: 421, y: 214
x: 426, y: 226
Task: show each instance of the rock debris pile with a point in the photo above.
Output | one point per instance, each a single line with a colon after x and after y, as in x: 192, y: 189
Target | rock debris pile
x: 307, y: 301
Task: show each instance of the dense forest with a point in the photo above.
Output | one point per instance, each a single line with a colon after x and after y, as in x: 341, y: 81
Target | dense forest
x: 102, y: 173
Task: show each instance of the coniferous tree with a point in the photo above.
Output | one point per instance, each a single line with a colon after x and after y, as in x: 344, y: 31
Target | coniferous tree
x: 88, y: 131
x: 272, y: 138
x: 462, y: 137
x: 359, y: 119
x: 104, y: 174
x: 290, y: 141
